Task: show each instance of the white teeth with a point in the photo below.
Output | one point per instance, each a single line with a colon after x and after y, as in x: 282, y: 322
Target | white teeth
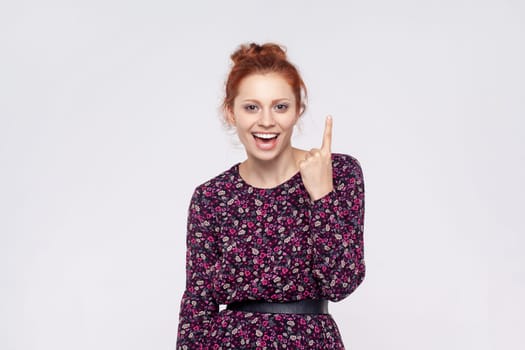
x: 265, y: 136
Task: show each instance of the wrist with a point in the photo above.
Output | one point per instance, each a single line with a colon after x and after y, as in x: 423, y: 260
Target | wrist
x: 318, y: 194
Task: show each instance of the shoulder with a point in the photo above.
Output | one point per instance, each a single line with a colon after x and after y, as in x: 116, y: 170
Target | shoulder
x: 345, y: 161
x: 346, y: 166
x: 217, y: 185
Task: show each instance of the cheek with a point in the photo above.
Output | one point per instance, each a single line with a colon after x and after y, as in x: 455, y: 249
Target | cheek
x: 290, y: 122
x: 241, y: 124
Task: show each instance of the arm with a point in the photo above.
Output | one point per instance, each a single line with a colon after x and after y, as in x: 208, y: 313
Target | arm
x: 197, y: 306
x: 337, y: 221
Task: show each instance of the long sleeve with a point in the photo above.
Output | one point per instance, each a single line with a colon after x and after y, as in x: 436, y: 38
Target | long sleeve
x: 337, y: 222
x: 198, y: 305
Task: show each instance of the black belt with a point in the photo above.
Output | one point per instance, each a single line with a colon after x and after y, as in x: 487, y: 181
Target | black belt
x: 308, y: 306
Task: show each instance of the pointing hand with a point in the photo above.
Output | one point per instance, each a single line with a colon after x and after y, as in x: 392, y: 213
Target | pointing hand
x: 316, y: 167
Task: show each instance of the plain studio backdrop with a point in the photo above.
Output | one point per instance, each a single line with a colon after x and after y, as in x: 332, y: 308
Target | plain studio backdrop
x: 109, y: 118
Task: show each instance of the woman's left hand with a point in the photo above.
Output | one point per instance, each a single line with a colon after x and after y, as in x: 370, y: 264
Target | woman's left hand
x: 316, y: 167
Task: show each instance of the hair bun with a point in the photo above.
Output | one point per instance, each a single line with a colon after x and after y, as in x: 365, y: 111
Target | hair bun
x: 255, y: 51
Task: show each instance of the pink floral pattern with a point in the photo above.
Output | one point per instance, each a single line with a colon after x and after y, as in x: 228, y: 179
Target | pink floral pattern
x: 246, y: 243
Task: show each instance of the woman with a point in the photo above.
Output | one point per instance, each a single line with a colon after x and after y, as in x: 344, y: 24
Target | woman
x: 278, y: 235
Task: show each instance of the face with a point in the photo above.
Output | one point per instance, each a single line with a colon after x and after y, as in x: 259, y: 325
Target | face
x: 264, y: 114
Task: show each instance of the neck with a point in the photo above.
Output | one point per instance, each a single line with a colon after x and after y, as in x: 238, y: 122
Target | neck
x: 271, y: 173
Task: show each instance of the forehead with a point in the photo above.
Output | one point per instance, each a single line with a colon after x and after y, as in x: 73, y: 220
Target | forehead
x: 264, y: 87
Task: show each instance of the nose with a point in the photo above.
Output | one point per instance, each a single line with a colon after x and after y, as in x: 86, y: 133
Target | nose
x: 266, y: 118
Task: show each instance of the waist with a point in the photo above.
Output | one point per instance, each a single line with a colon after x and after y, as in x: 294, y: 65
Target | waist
x: 307, y: 306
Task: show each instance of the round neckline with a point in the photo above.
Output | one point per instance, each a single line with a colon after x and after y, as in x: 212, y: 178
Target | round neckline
x: 285, y: 182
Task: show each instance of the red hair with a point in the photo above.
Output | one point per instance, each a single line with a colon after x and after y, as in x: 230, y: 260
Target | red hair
x: 262, y: 59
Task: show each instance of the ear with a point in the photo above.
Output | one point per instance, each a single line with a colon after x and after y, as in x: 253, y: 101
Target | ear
x: 302, y: 108
x: 298, y: 115
x: 230, y: 117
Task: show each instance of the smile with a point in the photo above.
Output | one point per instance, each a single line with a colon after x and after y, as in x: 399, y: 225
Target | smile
x: 265, y: 136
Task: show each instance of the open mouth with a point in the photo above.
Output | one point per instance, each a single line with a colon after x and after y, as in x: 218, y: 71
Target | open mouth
x: 265, y: 137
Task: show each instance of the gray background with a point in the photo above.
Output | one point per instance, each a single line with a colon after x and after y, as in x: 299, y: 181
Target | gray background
x: 109, y: 119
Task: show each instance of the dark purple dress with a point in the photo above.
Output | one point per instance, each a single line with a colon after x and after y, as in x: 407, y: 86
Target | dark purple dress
x: 246, y: 243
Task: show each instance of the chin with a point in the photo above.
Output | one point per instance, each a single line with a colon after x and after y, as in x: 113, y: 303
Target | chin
x: 264, y: 155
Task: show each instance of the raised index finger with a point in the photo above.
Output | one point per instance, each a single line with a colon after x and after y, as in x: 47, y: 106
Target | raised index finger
x: 327, y: 136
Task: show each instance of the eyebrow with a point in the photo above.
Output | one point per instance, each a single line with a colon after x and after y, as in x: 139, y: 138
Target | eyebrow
x: 284, y: 99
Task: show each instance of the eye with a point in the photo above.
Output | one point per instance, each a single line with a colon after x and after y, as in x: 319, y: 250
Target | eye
x: 281, y: 107
x: 251, y: 108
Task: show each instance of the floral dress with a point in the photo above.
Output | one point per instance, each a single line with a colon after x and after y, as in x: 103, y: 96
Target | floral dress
x: 275, y: 245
